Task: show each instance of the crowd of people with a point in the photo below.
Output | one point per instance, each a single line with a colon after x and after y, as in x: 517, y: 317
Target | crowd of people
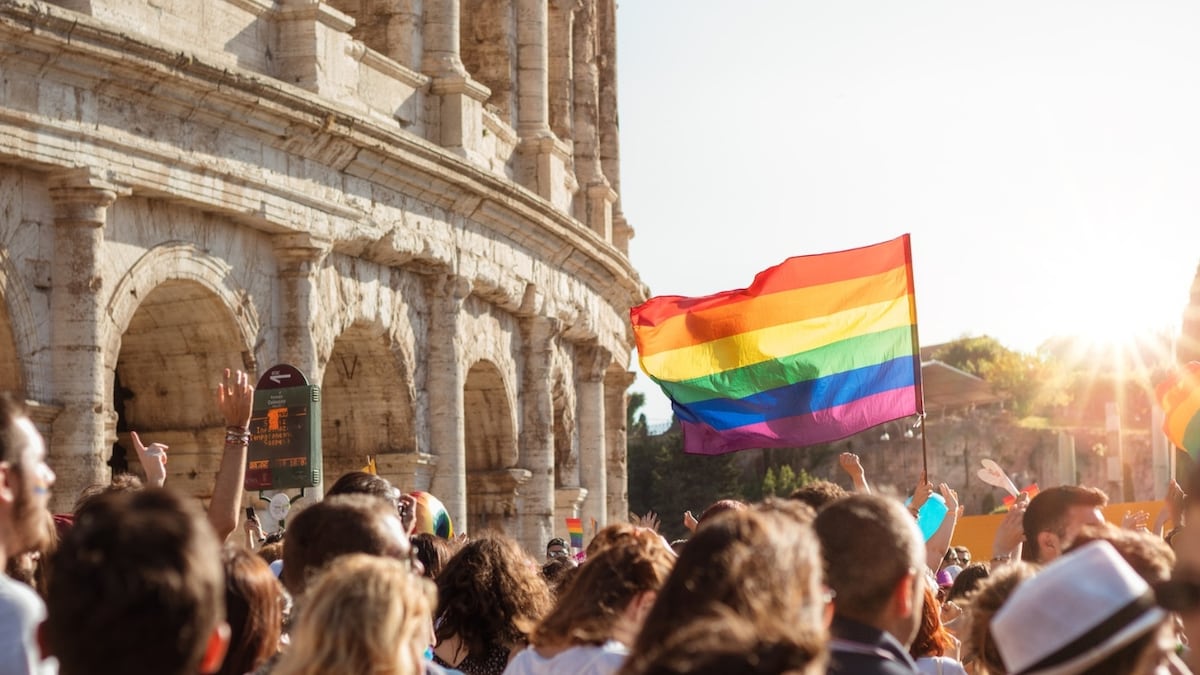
x: 140, y: 579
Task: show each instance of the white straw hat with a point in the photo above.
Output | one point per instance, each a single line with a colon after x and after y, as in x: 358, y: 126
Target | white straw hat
x: 1079, y: 610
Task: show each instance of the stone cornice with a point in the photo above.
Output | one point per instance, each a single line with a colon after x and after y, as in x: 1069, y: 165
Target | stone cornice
x: 278, y: 110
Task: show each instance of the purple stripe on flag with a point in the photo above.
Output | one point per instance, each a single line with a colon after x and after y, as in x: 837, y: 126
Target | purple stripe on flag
x: 821, y: 426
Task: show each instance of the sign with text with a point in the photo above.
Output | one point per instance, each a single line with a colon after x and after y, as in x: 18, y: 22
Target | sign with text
x: 285, y: 432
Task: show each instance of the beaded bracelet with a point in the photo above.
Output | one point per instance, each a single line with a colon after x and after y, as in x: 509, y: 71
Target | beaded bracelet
x: 237, y: 436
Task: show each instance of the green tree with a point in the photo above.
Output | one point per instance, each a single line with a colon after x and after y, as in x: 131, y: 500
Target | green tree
x: 1010, y: 372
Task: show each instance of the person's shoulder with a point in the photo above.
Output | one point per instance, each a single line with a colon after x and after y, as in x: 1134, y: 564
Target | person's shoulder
x: 861, y: 663
x: 19, y: 600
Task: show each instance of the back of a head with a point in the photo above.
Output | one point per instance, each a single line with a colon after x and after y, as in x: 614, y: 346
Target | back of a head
x: 490, y: 594
x: 1047, y: 512
x: 254, y: 602
x: 620, y: 533
x: 589, y: 606
x: 818, y: 493
x: 720, y: 506
x: 432, y: 551
x: 977, y: 643
x: 1146, y: 553
x: 870, y: 543
x: 362, y: 614
x: 363, y: 483
x: 762, y: 564
x: 340, y: 525
x: 968, y: 580
x: 137, y: 587
x: 723, y: 643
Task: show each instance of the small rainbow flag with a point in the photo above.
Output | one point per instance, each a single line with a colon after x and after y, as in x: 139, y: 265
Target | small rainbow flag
x: 1179, y: 396
x: 575, y: 530
x: 818, y: 348
x: 1031, y: 490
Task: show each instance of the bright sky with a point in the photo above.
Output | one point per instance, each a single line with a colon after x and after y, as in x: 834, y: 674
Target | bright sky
x: 1044, y: 155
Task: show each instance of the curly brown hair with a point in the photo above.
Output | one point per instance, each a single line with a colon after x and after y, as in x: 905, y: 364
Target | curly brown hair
x: 489, y: 593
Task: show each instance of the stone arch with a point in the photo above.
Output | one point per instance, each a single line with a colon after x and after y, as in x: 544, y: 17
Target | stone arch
x: 491, y: 449
x: 17, y: 336
x: 177, y: 320
x: 367, y: 396
x: 487, y: 45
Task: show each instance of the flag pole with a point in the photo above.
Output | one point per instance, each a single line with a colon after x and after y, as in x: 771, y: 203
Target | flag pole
x: 912, y: 305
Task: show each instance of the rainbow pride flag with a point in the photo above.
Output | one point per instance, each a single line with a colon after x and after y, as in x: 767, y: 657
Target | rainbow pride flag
x: 1179, y: 396
x: 818, y: 348
x: 575, y: 531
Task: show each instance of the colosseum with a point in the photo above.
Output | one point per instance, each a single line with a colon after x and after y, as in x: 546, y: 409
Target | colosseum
x: 414, y: 202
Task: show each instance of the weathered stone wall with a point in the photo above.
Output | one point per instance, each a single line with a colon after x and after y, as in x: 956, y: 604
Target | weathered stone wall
x: 318, y: 184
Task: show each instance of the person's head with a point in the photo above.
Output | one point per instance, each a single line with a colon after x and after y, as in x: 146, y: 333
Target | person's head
x: 621, y: 533
x: 558, y: 572
x: 432, y: 551
x: 818, y: 493
x: 762, y: 564
x: 967, y: 581
x: 932, y: 637
x: 608, y: 598
x: 874, y: 562
x: 122, y: 482
x: 978, y: 646
x: 1054, y: 517
x: 490, y: 593
x: 1087, y: 611
x: 964, y: 555
x: 557, y: 548
x: 254, y: 602
x: 25, y: 482
x: 137, y: 587
x: 1146, y: 553
x: 718, y: 507
x: 363, y: 483
x: 724, y: 643
x: 362, y: 614
x: 339, y: 525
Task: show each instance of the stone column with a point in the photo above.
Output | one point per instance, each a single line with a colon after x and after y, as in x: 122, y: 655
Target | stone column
x: 299, y: 258
x: 616, y: 398
x: 598, y: 195
x: 461, y: 98
x: 537, y: 431
x: 591, y: 364
x: 544, y: 157
x: 77, y: 302
x: 447, y: 432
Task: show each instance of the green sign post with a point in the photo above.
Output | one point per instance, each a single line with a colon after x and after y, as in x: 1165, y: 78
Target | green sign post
x: 285, y: 432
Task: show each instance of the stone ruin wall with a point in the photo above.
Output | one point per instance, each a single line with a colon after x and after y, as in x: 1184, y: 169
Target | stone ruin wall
x: 413, y: 201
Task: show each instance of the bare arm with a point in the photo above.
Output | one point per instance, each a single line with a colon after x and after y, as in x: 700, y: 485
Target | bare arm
x: 1010, y: 536
x: 235, y: 396
x: 851, y: 465
x: 939, y: 543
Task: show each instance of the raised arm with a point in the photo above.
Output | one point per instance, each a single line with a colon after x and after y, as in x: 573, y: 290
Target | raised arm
x: 235, y: 397
x: 939, y: 543
x: 851, y: 465
x: 153, y: 459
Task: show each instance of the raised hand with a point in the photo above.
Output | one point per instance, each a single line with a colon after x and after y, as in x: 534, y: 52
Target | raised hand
x: 1011, y: 532
x: 1135, y: 520
x: 689, y: 521
x: 951, y: 498
x: 851, y: 465
x: 921, y: 493
x: 235, y: 398
x: 153, y: 459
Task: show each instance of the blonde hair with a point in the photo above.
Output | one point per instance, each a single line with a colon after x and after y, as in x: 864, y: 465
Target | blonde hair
x: 364, y: 614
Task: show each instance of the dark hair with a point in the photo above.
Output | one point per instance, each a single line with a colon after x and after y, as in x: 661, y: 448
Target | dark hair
x: 818, y: 493
x: 488, y: 595
x: 932, y: 637
x: 558, y: 572
x: 761, y: 564
x: 1048, y: 513
x: 122, y: 482
x: 720, y: 506
x: 350, y: 523
x: 433, y: 552
x: 363, y: 483
x: 254, y: 602
x: 136, y: 587
x: 557, y: 541
x: 1147, y: 554
x: 589, y: 606
x: 968, y: 580
x: 724, y: 643
x: 870, y: 544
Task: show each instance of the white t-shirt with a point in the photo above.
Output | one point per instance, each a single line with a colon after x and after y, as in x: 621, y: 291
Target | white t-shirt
x: 603, y: 660
x: 939, y: 665
x: 21, y: 610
